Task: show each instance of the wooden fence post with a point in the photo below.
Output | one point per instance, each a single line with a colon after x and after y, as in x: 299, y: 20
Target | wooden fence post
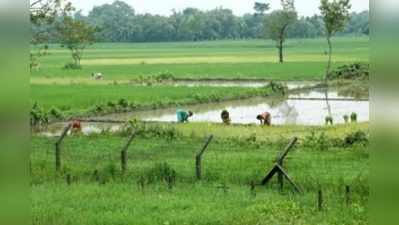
x: 320, y: 200
x: 198, y: 157
x: 347, y: 195
x: 58, y: 158
x: 124, y: 153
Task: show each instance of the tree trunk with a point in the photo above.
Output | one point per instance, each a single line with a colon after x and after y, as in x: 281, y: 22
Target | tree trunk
x: 329, y: 58
x: 327, y: 74
x: 280, y: 52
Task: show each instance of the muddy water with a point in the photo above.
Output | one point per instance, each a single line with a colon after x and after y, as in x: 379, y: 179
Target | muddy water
x: 284, y: 111
x: 301, y: 108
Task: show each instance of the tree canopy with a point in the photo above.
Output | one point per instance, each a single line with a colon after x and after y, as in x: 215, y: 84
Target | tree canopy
x: 118, y: 22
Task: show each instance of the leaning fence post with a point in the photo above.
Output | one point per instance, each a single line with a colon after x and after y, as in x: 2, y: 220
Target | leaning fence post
x: 320, y: 200
x: 124, y: 153
x: 347, y: 195
x: 58, y: 159
x: 198, y: 157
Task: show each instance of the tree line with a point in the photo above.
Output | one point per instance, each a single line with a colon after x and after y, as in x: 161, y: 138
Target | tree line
x: 118, y: 22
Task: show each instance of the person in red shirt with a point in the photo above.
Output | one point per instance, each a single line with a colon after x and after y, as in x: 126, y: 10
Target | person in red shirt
x: 265, y: 118
x: 76, y: 125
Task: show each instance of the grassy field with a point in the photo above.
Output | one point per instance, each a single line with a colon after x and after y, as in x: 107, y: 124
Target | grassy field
x: 305, y: 60
x: 81, y: 98
x: 159, y: 187
x: 142, y: 196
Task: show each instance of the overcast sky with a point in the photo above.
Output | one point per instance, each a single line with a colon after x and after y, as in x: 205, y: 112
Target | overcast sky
x: 239, y: 7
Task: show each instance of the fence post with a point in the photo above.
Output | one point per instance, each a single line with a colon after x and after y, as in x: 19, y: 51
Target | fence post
x: 347, y: 195
x: 320, y: 200
x: 68, y: 179
x: 124, y: 153
x: 58, y: 158
x: 198, y: 157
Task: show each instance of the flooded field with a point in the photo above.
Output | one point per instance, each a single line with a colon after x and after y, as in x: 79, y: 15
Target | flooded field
x: 299, y: 108
x: 233, y: 83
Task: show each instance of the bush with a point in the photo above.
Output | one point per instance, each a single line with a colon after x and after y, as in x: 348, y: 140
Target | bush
x: 38, y: 116
x: 164, y: 76
x: 277, y: 87
x: 56, y: 113
x: 359, y: 71
x: 318, y: 142
x: 123, y: 103
x: 161, y: 172
x: 72, y: 66
x: 358, y: 137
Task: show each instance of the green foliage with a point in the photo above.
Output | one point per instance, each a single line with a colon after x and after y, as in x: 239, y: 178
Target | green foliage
x: 72, y: 66
x: 346, y: 118
x: 75, y: 35
x: 318, y: 142
x: 335, y: 15
x: 355, y: 71
x: 161, y: 172
x: 38, y: 116
x: 78, y: 99
x: 56, y: 113
x: 358, y: 137
x: 261, y: 8
x: 231, y: 165
x: 277, y: 23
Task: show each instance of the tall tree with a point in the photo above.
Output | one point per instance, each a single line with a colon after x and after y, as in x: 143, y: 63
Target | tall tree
x: 260, y: 8
x: 335, y: 16
x: 76, y: 35
x: 277, y: 23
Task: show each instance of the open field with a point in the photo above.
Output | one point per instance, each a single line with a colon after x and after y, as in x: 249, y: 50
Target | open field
x: 251, y: 59
x: 77, y: 98
x: 224, y: 196
x: 159, y: 186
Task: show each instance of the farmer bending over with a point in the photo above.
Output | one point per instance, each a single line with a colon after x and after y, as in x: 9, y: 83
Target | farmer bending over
x: 225, y: 117
x: 76, y: 126
x: 182, y: 116
x: 264, y: 118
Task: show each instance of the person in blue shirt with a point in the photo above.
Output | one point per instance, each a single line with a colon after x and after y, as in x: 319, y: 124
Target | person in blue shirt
x: 182, y: 116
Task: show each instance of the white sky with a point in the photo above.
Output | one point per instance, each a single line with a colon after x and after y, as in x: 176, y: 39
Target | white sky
x: 239, y: 7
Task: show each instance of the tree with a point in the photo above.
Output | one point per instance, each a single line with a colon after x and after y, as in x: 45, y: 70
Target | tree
x: 76, y: 35
x: 277, y: 23
x: 43, y: 14
x: 260, y: 8
x: 335, y: 16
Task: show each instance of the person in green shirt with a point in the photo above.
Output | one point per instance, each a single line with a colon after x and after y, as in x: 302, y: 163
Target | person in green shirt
x: 182, y: 116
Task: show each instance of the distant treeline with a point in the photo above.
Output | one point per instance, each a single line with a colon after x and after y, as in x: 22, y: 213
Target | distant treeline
x: 118, y: 22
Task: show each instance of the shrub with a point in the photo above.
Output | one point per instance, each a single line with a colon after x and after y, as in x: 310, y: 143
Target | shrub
x: 164, y: 76
x: 123, y: 103
x: 111, y: 104
x: 358, y: 137
x: 277, y: 87
x: 319, y: 142
x: 38, y: 116
x: 161, y: 172
x: 56, y: 113
x: 359, y: 71
x: 72, y: 66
